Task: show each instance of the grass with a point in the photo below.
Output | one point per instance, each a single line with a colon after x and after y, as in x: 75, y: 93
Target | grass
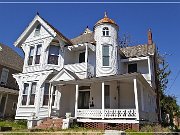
x: 16, y: 125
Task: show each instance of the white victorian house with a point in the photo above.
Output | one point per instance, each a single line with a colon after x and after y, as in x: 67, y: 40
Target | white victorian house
x: 90, y: 76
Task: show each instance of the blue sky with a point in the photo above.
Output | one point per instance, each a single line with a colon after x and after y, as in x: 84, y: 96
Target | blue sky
x: 134, y: 19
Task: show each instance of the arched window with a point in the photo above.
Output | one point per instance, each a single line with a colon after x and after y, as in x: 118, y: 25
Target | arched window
x: 105, y: 31
x: 37, y: 30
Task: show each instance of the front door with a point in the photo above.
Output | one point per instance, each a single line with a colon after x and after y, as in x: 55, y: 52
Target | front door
x: 83, y: 100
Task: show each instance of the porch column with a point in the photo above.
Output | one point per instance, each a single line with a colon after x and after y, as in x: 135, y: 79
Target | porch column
x: 102, y: 100
x: 136, y: 98
x: 86, y: 60
x: 51, y: 89
x: 76, y: 100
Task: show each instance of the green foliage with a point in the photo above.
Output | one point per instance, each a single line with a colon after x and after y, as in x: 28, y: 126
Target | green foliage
x: 16, y: 125
x: 154, y: 128
x: 168, y: 103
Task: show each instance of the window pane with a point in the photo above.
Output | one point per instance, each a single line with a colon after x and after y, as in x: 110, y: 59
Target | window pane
x: 105, y: 50
x: 105, y: 61
x: 24, y: 100
x: 82, y: 57
x: 32, y: 93
x: 53, y: 59
x: 31, y: 53
x: 132, y: 68
x: 26, y: 86
x: 38, y: 52
x: 37, y: 60
x: 54, y: 50
x: 4, y: 76
x: 46, y: 94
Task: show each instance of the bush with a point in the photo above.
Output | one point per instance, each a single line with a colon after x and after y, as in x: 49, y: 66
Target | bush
x: 154, y: 128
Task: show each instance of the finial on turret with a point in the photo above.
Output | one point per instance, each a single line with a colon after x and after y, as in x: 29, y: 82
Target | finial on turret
x: 105, y: 14
x: 37, y: 13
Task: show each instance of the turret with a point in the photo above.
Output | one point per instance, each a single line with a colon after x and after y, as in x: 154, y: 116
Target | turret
x: 106, y: 37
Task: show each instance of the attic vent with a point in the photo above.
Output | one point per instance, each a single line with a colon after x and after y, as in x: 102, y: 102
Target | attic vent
x: 37, y: 30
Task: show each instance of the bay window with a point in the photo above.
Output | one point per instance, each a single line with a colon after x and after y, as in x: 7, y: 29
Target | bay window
x: 53, y: 54
x: 105, y: 55
x: 29, y: 92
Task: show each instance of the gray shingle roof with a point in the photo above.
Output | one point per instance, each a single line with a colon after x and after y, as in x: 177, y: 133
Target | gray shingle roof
x: 10, y: 58
x: 139, y: 50
x: 84, y: 38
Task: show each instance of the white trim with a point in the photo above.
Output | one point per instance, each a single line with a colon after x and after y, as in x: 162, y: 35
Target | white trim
x: 134, y: 59
x: 136, y: 98
x: 108, y: 121
x: 142, y: 97
x: 103, y: 106
x: 76, y: 100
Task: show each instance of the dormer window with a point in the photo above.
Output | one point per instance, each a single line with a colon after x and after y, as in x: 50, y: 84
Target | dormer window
x: 105, y: 31
x: 37, y: 30
x: 34, y: 55
x: 53, y: 54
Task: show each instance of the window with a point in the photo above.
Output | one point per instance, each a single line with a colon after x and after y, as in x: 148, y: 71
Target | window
x: 34, y: 55
x: 29, y: 92
x: 107, y: 96
x: 25, y: 94
x: 132, y: 68
x: 105, y: 31
x: 38, y: 54
x: 4, y: 76
x: 46, y: 94
x: 105, y: 55
x: 82, y: 57
x: 32, y: 93
x: 53, y: 54
x: 37, y: 30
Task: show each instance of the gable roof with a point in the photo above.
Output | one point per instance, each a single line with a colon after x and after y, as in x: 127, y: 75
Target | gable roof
x: 139, y: 50
x: 84, y: 38
x: 10, y: 58
x: 54, y: 32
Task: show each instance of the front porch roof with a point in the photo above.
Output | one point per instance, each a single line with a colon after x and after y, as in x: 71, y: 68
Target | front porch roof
x: 79, y: 47
x: 121, y: 77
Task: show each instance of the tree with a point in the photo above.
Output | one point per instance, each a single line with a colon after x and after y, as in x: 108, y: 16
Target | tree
x: 168, y: 103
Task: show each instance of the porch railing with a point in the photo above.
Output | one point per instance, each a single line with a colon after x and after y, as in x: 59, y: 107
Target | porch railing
x: 108, y: 113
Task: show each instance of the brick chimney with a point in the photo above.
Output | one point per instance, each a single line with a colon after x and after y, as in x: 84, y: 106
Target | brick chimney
x: 150, y: 41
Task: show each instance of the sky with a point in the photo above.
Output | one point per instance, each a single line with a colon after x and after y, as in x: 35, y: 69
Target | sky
x: 133, y: 19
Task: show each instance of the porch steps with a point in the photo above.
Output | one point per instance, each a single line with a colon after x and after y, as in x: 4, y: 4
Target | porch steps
x: 50, y: 123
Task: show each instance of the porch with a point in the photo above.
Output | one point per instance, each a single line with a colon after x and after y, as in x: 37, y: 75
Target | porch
x: 116, y: 99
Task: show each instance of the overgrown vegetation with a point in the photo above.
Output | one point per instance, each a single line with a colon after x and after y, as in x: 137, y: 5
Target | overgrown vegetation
x: 168, y: 103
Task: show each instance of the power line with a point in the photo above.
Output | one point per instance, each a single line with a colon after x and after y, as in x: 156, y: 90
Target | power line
x: 174, y: 80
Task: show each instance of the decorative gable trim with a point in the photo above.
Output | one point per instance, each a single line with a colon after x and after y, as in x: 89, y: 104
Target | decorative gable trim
x: 63, y: 75
x: 50, y: 29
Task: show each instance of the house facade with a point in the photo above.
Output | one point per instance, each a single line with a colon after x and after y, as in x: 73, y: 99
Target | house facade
x: 10, y: 63
x: 89, y: 77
